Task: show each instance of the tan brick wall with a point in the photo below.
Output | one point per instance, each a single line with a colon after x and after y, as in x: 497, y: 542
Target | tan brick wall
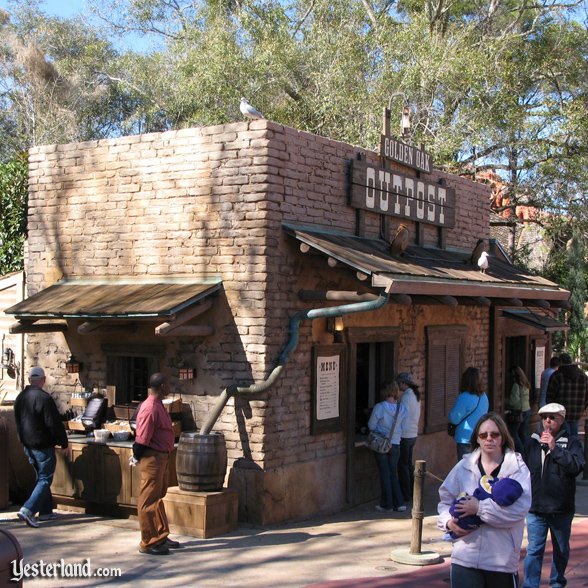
x: 211, y: 200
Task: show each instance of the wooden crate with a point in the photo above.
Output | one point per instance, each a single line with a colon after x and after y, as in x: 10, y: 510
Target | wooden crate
x: 201, y: 514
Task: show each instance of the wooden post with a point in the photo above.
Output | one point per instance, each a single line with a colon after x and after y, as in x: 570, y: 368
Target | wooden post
x: 418, y: 513
x: 413, y: 556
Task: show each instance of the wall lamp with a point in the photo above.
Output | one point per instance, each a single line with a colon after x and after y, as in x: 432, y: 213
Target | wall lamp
x: 186, y: 373
x: 72, y: 365
x: 335, y: 326
x: 7, y: 358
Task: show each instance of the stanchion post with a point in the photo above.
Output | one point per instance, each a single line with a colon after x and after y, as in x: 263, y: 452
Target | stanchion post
x: 418, y: 512
x: 413, y: 555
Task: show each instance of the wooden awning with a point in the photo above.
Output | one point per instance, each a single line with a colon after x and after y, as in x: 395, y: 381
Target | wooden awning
x: 535, y: 318
x: 428, y: 271
x: 175, y: 299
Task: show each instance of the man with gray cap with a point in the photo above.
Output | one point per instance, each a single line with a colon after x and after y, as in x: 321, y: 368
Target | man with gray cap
x: 40, y: 429
x: 555, y: 458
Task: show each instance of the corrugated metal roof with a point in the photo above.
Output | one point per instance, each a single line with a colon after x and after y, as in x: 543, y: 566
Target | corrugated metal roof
x: 115, y: 298
x: 427, y: 270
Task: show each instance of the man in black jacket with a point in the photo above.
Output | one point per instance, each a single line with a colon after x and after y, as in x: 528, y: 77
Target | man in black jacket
x: 555, y: 458
x: 40, y: 429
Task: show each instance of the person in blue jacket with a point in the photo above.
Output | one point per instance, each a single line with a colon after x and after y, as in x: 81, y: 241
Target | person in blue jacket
x: 387, y: 419
x: 469, y: 406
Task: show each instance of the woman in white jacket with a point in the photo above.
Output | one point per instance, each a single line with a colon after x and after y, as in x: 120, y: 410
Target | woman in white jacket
x: 488, y: 556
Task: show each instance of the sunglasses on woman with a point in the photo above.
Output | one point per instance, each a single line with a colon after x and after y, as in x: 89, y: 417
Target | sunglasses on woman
x: 492, y: 434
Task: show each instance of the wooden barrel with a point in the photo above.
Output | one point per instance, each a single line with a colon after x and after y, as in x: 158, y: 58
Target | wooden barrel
x: 201, y: 462
x: 10, y: 550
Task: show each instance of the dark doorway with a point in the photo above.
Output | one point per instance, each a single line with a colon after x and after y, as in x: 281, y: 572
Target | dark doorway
x: 374, y: 366
x: 516, y: 354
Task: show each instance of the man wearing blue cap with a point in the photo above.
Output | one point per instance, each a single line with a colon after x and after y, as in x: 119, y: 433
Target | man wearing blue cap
x: 555, y: 458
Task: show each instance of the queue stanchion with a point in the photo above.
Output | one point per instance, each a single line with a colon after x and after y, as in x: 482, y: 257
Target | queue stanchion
x: 414, y: 555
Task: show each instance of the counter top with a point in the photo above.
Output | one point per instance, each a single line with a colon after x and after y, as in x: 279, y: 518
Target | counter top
x: 80, y: 438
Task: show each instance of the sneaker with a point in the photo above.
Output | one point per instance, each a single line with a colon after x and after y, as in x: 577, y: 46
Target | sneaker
x: 24, y: 514
x: 48, y: 517
x: 382, y: 509
x: 401, y: 509
x: 160, y: 549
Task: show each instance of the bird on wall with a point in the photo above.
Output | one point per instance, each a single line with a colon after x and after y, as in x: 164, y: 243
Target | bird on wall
x: 248, y: 110
x: 400, y: 241
x: 483, y: 262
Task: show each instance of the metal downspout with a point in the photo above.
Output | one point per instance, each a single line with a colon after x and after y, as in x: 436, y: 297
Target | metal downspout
x: 291, y: 345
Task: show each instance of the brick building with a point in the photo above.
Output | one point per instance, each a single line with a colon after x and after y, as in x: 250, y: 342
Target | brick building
x: 208, y: 247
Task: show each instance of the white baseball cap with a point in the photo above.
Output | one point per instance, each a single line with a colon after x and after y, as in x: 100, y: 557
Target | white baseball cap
x: 37, y: 372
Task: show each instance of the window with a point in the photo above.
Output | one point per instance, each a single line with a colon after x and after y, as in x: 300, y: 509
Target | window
x: 129, y: 369
x: 445, y: 353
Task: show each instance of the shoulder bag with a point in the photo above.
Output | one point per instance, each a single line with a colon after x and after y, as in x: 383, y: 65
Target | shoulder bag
x: 451, y: 428
x: 380, y: 444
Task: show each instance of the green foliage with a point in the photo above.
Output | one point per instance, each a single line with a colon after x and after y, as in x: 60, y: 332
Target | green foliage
x: 13, y: 213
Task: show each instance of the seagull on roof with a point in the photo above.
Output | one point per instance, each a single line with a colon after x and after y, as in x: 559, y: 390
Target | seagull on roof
x: 476, y: 252
x: 248, y: 110
x: 400, y: 241
x: 483, y: 262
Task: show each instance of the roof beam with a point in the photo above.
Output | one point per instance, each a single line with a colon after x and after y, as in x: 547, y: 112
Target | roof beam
x: 117, y: 327
x: 189, y: 331
x: 183, y: 317
x: 32, y: 327
x: 336, y: 295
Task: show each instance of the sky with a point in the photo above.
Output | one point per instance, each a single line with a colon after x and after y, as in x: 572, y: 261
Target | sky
x: 70, y: 8
x: 66, y: 8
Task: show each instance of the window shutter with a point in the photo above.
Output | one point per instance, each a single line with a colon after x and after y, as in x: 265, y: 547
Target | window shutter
x: 444, y: 366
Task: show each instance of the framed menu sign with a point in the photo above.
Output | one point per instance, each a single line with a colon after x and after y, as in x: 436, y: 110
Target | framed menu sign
x: 327, y: 388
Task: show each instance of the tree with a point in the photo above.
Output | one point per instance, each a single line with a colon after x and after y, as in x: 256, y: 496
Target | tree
x: 13, y: 213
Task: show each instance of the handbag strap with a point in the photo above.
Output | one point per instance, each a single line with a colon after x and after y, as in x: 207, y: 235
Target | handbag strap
x: 470, y: 413
x: 391, y: 433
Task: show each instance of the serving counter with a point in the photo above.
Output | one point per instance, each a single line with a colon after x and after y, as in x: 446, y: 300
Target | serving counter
x: 96, y: 477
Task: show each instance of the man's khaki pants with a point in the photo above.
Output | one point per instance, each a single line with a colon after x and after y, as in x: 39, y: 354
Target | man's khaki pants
x: 150, y: 508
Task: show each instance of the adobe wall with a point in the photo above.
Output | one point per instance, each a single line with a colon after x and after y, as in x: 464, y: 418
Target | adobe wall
x: 211, y: 200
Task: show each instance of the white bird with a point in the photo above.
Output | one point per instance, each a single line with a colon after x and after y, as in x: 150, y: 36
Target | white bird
x: 248, y: 110
x: 483, y: 262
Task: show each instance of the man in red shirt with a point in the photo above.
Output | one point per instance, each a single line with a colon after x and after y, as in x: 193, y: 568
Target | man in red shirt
x: 154, y: 441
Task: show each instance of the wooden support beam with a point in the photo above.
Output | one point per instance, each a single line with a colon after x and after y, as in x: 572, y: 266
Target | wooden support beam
x: 474, y: 301
x: 189, y: 331
x: 32, y: 327
x: 106, y: 327
x: 337, y: 295
x: 183, y: 317
x: 507, y: 302
x: 541, y: 304
x: 401, y: 299
x: 565, y: 304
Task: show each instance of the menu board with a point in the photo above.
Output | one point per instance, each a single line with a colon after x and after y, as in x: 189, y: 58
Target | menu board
x: 327, y: 388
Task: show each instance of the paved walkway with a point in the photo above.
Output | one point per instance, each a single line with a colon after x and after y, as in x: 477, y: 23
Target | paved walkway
x: 350, y: 549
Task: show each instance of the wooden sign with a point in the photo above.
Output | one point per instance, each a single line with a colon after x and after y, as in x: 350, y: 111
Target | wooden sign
x: 408, y: 155
x: 391, y: 193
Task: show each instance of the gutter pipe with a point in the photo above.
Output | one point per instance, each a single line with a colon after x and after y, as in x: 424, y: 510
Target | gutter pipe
x: 290, y: 346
